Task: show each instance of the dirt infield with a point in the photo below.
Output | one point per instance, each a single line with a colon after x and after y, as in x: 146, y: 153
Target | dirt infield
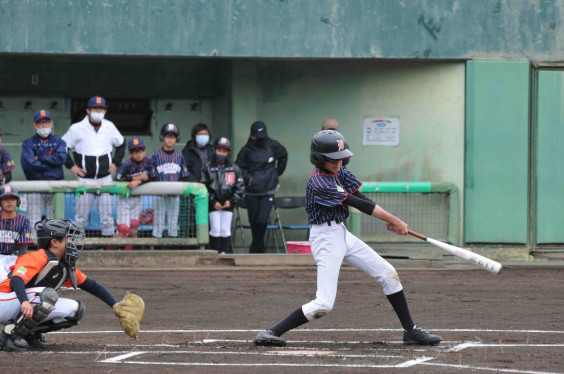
x: 204, y: 320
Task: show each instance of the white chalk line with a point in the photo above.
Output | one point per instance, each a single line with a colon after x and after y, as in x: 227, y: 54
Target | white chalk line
x: 463, y: 346
x: 499, y: 370
x: 310, y: 330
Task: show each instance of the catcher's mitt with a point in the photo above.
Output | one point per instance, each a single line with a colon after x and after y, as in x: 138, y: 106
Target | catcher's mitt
x: 130, y: 312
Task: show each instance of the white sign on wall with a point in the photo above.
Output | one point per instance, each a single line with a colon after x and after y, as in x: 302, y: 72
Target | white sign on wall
x: 381, y: 131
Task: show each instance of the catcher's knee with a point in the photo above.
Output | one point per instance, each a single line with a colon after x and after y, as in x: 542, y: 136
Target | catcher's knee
x: 23, y: 326
x: 67, y: 322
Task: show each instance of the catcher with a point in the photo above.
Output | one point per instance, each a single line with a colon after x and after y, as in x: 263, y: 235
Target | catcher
x: 29, y: 304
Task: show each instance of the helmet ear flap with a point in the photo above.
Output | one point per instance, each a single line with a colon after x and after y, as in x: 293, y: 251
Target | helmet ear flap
x: 317, y: 159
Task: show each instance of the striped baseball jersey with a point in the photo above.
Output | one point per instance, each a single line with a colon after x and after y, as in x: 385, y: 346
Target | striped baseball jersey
x: 6, y: 162
x: 325, y: 193
x: 167, y: 167
x: 130, y: 169
x: 13, y: 232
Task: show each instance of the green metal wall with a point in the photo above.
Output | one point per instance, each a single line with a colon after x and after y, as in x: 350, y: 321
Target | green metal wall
x: 453, y: 29
x: 497, y: 152
x: 549, y: 156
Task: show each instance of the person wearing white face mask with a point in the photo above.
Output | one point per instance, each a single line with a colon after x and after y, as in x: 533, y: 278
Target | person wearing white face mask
x: 43, y: 157
x: 91, y: 142
x: 198, y: 151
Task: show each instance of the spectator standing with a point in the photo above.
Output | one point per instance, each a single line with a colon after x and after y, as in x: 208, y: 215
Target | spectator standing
x: 167, y: 165
x: 198, y: 151
x: 43, y: 157
x: 91, y: 142
x: 7, y: 164
x: 135, y: 171
x: 225, y: 186
x: 15, y: 230
x: 262, y: 160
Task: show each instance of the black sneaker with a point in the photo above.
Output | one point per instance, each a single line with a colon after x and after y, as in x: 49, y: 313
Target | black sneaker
x: 9, y: 344
x: 421, y: 337
x: 36, y: 340
x: 268, y: 338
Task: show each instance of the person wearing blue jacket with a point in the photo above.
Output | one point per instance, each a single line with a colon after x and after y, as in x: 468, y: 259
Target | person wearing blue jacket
x: 43, y: 157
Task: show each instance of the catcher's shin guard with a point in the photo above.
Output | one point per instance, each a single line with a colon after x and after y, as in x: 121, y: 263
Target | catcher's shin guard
x: 23, y: 326
x: 68, y: 322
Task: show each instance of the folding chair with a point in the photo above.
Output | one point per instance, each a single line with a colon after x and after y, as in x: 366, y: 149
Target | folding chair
x: 238, y: 227
x: 291, y: 202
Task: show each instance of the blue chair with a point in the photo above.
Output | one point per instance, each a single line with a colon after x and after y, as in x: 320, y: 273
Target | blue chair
x: 238, y: 227
x: 291, y: 202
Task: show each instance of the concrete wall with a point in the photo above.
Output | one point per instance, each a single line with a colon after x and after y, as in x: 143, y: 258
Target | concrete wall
x: 453, y: 29
x: 292, y: 98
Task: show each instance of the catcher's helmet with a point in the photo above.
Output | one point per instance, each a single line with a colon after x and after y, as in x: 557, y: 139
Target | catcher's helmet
x: 328, y: 145
x: 57, y: 229
x: 8, y: 190
x: 169, y: 128
x: 222, y: 143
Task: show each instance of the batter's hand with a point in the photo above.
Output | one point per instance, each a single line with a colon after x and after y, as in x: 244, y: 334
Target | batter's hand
x: 399, y: 227
x: 78, y: 172
x: 217, y: 206
x: 112, y: 168
x: 27, y: 309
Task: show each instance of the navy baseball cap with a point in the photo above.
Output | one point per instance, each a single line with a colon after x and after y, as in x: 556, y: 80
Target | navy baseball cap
x: 41, y: 114
x: 135, y: 143
x: 258, y: 130
x: 96, y: 102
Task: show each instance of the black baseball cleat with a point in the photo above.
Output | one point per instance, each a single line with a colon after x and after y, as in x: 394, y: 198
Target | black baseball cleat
x: 9, y: 344
x: 36, y: 340
x: 420, y: 337
x: 268, y: 338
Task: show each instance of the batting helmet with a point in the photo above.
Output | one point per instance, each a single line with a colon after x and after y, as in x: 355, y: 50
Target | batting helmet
x: 169, y: 128
x: 222, y: 143
x: 8, y: 190
x: 328, y: 145
x: 57, y: 229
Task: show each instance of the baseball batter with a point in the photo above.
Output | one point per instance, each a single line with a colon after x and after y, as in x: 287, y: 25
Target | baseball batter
x: 15, y: 230
x: 329, y: 192
x: 167, y: 165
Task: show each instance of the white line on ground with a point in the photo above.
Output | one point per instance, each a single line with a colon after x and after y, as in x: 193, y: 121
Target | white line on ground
x: 310, y: 330
x: 462, y: 346
x: 499, y: 370
x: 120, y: 358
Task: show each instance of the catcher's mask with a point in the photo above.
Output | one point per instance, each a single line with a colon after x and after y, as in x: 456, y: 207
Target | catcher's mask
x: 58, y: 229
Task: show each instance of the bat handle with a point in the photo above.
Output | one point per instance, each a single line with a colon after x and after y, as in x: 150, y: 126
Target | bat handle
x: 417, y: 235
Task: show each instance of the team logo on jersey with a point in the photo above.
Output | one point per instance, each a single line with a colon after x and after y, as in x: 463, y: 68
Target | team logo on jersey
x: 340, y: 189
x: 230, y: 178
x: 341, y: 144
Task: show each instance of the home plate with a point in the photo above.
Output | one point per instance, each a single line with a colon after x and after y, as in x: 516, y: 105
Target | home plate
x: 303, y: 353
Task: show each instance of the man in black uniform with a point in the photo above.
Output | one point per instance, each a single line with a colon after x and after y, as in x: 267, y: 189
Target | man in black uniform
x: 262, y: 160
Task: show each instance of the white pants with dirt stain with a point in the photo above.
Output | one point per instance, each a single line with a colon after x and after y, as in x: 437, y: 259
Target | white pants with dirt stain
x: 331, y: 244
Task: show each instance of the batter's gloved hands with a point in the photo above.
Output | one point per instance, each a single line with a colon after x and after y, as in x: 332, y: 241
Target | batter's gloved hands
x: 130, y: 312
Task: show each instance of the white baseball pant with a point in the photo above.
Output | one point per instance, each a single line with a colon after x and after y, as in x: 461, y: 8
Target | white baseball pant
x: 10, y: 306
x: 220, y: 223
x: 104, y: 204
x: 331, y: 245
x: 128, y: 208
x: 169, y: 205
x: 6, y: 261
x: 37, y: 203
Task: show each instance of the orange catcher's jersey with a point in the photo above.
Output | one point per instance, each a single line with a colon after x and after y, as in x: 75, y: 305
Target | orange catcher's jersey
x: 41, y: 269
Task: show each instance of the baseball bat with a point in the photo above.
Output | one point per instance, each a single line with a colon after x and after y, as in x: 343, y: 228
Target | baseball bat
x: 474, y: 258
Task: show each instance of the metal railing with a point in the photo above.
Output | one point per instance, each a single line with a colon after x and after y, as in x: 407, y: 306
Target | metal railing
x: 192, y: 228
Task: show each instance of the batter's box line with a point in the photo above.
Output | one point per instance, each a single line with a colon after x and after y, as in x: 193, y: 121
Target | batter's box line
x: 466, y: 345
x: 520, y: 331
x: 122, y: 359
